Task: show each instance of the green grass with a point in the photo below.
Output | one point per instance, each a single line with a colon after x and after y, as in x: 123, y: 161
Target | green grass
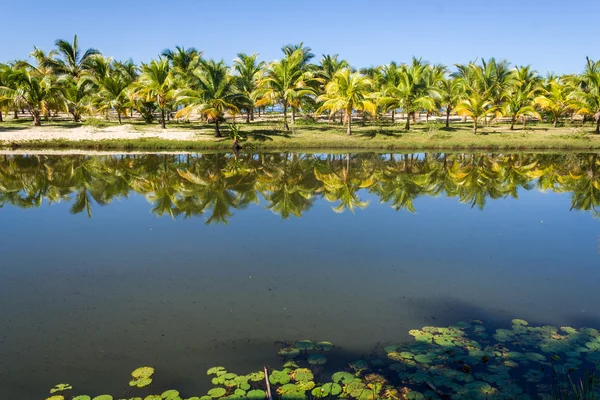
x: 269, y: 135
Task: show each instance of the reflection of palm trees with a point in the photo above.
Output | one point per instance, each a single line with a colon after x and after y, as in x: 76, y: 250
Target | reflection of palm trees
x: 343, y: 186
x: 402, y: 181
x: 161, y: 189
x: 478, y: 180
x: 217, y: 184
x: 287, y: 186
x: 584, y: 185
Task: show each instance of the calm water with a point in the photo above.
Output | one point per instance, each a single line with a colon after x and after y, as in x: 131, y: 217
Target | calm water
x: 183, y: 262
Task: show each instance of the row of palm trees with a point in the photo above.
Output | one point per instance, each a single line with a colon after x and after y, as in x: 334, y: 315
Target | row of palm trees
x: 289, y: 184
x: 183, y: 83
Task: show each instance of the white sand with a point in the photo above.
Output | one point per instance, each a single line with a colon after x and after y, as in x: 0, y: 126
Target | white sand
x: 91, y: 133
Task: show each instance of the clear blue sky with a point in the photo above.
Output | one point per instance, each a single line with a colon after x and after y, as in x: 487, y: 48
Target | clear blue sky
x: 551, y: 35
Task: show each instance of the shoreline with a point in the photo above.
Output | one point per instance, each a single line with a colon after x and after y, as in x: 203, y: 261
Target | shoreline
x: 318, y: 137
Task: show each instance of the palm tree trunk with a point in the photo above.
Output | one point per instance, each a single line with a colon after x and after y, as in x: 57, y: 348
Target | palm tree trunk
x: 393, y: 115
x: 349, y: 118
x: 597, y: 126
x: 1, y: 116
x: 285, y: 123
x: 162, y: 118
x: 217, y: 131
x: 512, y: 123
x: 475, y: 126
x: 119, y: 115
x: 447, y: 117
x: 555, y: 121
x: 16, y: 114
x: 293, y: 115
x: 407, y: 126
x: 248, y: 116
x: 37, y: 121
x: 251, y: 113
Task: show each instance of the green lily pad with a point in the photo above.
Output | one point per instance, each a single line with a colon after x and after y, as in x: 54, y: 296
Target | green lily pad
x: 316, y: 359
x: 170, y: 395
x: 103, y: 397
x: 83, y: 397
x: 303, y: 375
x: 324, y: 346
x: 256, y: 376
x: 256, y: 394
x: 359, y: 365
x: 215, y: 393
x: 289, y: 352
x: 140, y: 382
x: 304, y: 345
x: 216, y: 371
x: 61, y: 387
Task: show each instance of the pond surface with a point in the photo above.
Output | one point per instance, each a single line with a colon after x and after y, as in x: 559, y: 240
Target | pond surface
x: 184, y: 262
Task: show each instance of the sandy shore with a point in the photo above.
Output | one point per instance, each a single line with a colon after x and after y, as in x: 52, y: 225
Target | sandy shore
x: 91, y: 133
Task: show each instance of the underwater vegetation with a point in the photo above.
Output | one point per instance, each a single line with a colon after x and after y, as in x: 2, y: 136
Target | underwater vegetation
x: 462, y: 361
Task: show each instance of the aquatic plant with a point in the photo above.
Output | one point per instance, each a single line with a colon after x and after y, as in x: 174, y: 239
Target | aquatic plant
x: 463, y: 360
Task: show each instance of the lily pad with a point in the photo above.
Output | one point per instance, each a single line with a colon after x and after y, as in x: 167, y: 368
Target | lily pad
x: 170, y: 395
x: 61, y: 387
x: 304, y: 345
x: 324, y: 346
x: 303, y: 375
x: 328, y: 389
x: 215, y: 393
x: 289, y: 352
x: 343, y: 377
x: 316, y: 359
x: 256, y: 394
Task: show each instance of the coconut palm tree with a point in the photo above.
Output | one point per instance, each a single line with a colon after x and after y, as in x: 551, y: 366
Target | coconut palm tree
x: 586, y: 98
x: 69, y: 60
x: 183, y: 61
x: 348, y: 91
x: 476, y: 106
x: 555, y: 98
x: 520, y: 101
x: 412, y: 91
x: 156, y: 84
x: 450, y: 91
x: 35, y: 90
x: 286, y: 82
x: 213, y: 93
x: 248, y: 71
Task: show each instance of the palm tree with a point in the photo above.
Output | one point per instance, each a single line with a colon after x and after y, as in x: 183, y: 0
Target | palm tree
x: 156, y: 84
x: 70, y: 61
x: 587, y: 96
x: 348, y: 91
x: 248, y: 71
x: 286, y: 82
x: 183, y: 61
x: 38, y: 92
x: 412, y: 91
x: 555, y: 98
x: 329, y: 65
x: 450, y: 92
x: 521, y: 96
x: 475, y: 106
x: 213, y: 93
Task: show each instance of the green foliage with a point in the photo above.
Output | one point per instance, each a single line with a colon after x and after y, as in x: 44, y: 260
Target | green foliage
x: 61, y: 387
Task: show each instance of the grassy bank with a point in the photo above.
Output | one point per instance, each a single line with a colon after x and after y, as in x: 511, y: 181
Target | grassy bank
x: 268, y: 135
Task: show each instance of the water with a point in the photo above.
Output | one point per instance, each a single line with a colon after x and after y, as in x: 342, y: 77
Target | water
x: 184, y: 262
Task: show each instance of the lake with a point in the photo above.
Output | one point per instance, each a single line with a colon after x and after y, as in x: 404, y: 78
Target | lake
x: 188, y: 261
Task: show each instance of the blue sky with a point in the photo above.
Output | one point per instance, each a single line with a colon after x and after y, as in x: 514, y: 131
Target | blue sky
x: 551, y: 35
